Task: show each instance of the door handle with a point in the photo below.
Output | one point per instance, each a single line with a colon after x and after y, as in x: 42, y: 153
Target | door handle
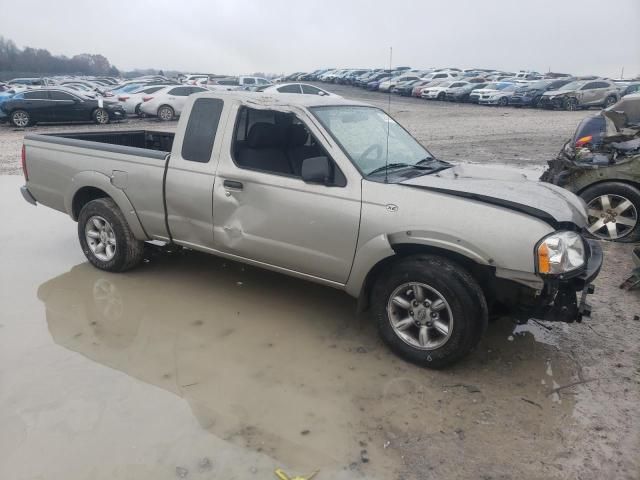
x: 232, y: 184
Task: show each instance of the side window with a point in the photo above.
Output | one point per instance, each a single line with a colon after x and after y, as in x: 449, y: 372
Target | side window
x: 590, y: 86
x: 601, y: 85
x: 249, y: 81
x: 290, y: 89
x: 180, y: 91
x: 36, y: 95
x: 197, y: 90
x: 262, y: 81
x: 276, y: 143
x: 151, y: 90
x: 311, y: 90
x: 440, y: 75
x: 201, y: 129
x: 55, y: 95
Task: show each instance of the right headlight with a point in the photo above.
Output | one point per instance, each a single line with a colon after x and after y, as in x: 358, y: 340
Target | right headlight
x: 560, y: 252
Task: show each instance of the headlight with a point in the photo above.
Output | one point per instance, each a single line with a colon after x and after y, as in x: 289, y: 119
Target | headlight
x: 560, y: 252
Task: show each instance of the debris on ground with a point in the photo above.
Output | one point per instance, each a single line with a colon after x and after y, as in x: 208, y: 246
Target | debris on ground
x: 283, y: 476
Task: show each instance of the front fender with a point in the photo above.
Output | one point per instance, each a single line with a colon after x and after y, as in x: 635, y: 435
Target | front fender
x: 103, y: 182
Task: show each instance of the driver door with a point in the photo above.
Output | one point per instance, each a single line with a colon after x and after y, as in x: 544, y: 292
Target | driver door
x: 266, y: 213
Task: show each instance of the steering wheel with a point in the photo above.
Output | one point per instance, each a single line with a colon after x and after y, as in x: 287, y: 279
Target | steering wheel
x: 375, y: 147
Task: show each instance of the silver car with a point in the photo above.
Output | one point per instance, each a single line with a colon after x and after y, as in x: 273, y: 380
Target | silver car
x: 582, y: 94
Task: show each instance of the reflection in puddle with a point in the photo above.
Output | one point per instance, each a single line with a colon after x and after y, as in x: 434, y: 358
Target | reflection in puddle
x: 285, y: 367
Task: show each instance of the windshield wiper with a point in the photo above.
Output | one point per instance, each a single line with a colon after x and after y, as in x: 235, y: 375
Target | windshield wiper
x: 384, y: 168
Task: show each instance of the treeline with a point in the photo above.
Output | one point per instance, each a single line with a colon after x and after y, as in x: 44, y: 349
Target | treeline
x: 40, y: 62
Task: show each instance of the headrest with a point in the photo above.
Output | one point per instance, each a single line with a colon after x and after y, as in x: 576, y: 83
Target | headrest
x: 263, y: 135
x: 297, y: 135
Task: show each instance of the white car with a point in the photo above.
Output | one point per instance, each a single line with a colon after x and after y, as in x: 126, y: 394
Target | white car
x: 195, y: 79
x: 392, y: 82
x: 302, y: 88
x: 167, y: 103
x: 131, y: 102
x: 439, y: 92
x: 251, y: 83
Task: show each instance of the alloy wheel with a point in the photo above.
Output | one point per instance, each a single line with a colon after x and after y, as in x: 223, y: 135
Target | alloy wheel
x: 420, y: 316
x: 611, y: 217
x: 101, y: 238
x: 20, y: 119
x: 102, y: 116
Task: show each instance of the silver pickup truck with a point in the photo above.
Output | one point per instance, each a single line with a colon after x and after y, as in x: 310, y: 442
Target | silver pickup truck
x: 336, y: 192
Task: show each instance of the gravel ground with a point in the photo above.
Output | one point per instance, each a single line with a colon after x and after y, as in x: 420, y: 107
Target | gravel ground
x: 101, y: 372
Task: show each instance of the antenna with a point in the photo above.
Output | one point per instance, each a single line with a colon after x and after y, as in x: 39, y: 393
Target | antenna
x: 386, y: 162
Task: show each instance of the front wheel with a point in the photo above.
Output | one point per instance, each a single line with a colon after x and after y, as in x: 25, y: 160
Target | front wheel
x: 610, y: 100
x: 21, y: 119
x: 429, y: 310
x: 613, y: 209
x: 570, y: 104
x: 503, y: 101
x: 105, y: 237
x: 101, y: 116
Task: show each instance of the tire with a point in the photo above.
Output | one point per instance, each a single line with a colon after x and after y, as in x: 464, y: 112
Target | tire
x: 441, y: 96
x: 166, y: 113
x: 21, y: 119
x: 570, y: 104
x: 101, y: 116
x: 464, y: 312
x: 503, y: 102
x: 126, y: 251
x: 624, y: 202
x: 610, y: 100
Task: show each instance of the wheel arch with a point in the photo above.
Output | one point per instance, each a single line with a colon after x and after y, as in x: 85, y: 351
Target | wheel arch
x: 624, y: 180
x: 93, y: 185
x: 481, y: 273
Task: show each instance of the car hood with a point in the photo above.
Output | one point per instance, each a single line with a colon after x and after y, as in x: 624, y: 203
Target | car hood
x: 481, y: 91
x: 508, y: 188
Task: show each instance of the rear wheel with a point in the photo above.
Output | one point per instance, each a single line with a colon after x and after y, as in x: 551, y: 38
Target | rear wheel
x: 429, y: 310
x: 21, y: 119
x: 101, y: 116
x: 105, y: 237
x: 613, y: 209
x: 165, y: 113
x: 610, y: 100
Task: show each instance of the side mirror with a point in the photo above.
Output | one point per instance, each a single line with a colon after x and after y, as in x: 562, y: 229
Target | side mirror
x: 316, y: 170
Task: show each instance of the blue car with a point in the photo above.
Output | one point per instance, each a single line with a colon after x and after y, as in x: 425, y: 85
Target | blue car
x: 4, y: 96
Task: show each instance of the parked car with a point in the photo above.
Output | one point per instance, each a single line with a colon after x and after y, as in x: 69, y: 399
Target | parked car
x: 461, y: 94
x: 375, y: 84
x: 391, y: 82
x: 59, y: 105
x: 498, y: 96
x: 631, y: 88
x: 131, y: 102
x: 302, y: 88
x: 489, y: 89
x: 223, y: 84
x: 270, y: 185
x: 530, y: 95
x: 601, y: 163
x: 405, y: 88
x: 582, y: 94
x: 439, y: 92
x: 168, y: 102
x: 251, y: 83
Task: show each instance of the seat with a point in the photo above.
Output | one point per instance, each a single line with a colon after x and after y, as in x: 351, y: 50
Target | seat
x: 263, y: 150
x: 297, y: 148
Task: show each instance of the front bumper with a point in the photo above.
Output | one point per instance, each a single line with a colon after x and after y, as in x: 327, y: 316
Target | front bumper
x: 551, y: 102
x: 118, y: 114
x: 561, y: 302
x: 524, y: 101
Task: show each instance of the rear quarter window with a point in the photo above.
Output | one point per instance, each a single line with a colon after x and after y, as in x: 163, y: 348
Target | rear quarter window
x: 201, y: 129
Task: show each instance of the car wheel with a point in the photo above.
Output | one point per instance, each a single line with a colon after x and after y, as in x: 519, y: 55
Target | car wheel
x: 21, y: 119
x: 105, y: 237
x: 610, y: 100
x: 613, y: 209
x: 570, y: 104
x: 101, y: 116
x: 441, y: 96
x: 503, y: 102
x: 165, y: 113
x: 429, y: 310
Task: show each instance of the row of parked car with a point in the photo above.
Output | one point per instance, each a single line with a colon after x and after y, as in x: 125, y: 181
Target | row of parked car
x: 488, y: 87
x: 27, y: 101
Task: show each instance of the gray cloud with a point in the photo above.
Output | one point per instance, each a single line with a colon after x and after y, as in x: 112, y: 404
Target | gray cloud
x: 576, y: 36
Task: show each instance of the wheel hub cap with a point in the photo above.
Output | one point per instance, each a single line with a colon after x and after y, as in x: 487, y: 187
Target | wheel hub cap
x: 100, y: 238
x: 611, y: 217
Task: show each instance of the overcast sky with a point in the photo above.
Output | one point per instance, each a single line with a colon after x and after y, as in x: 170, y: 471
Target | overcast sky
x: 235, y: 37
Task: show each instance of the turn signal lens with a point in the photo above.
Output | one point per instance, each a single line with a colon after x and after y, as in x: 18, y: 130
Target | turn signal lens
x: 543, y: 259
x: 584, y: 140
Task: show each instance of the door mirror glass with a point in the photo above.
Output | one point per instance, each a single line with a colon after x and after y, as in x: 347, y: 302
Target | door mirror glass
x: 316, y: 170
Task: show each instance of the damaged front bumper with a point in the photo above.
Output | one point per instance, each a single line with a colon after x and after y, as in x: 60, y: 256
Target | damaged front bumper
x: 565, y: 298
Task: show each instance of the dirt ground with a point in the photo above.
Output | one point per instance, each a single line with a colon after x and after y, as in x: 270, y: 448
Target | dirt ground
x: 199, y: 368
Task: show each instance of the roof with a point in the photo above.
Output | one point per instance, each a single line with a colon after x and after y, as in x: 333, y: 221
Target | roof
x: 279, y: 100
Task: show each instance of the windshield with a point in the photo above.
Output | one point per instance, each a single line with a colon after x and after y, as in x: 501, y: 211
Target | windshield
x: 362, y: 134
x: 539, y: 84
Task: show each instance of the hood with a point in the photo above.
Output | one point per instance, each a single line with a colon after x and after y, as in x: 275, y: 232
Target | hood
x: 553, y: 93
x: 482, y: 91
x: 508, y: 188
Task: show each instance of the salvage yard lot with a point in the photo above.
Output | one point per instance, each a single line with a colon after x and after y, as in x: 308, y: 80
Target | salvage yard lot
x: 195, y: 367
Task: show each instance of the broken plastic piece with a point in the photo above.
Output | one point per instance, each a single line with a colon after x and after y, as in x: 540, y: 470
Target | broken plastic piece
x: 283, y: 476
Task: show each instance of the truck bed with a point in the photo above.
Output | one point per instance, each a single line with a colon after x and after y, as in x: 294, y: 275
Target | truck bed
x: 145, y: 143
